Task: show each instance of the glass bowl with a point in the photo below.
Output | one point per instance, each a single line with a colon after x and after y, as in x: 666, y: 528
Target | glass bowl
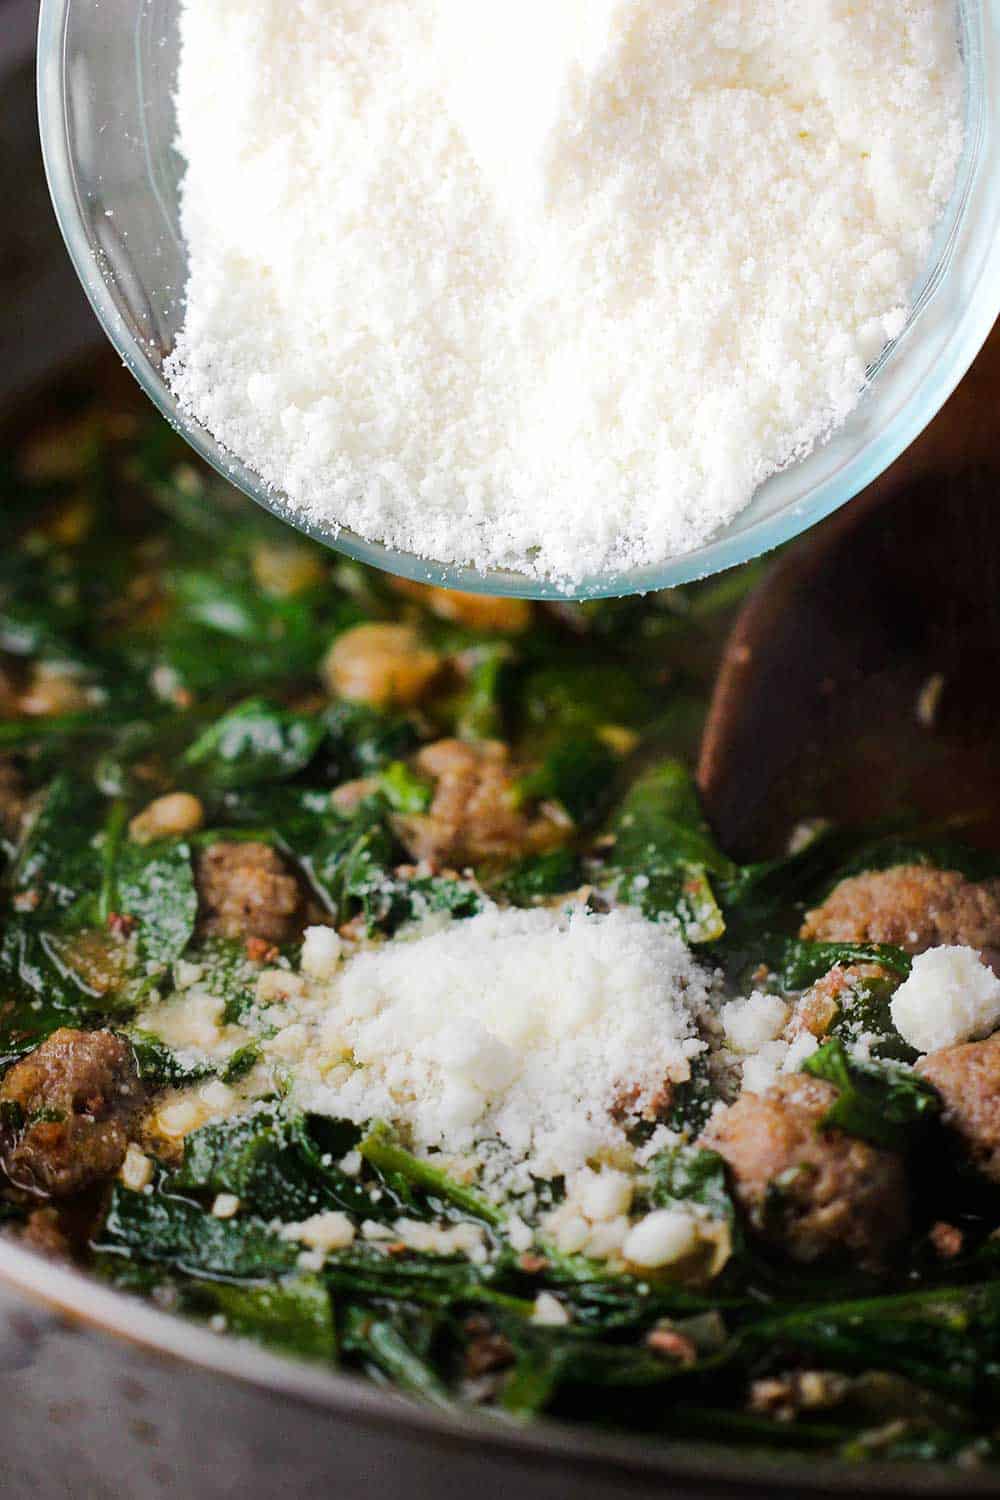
x: 106, y: 73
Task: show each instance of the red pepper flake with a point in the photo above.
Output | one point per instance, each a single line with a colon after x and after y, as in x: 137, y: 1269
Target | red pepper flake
x: 488, y: 1352
x: 27, y: 900
x: 396, y: 1247
x: 260, y: 951
x: 532, y: 1263
x: 947, y: 1240
x: 674, y: 1345
x: 121, y: 924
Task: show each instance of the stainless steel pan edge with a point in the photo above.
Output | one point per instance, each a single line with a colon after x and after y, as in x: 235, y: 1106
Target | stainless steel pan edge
x: 103, y: 1397
x: 139, y: 1403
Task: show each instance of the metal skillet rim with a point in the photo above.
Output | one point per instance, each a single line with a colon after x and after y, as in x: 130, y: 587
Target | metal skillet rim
x: 77, y: 1298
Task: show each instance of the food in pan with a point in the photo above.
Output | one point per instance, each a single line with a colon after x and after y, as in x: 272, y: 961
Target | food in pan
x: 373, y: 987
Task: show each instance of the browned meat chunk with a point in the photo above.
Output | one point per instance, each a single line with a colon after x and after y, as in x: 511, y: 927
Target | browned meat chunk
x: 384, y: 665
x: 76, y: 1096
x: 912, y: 906
x: 245, y: 891
x: 54, y: 689
x: 810, y: 1192
x: 968, y: 1079
x: 13, y: 800
x: 487, y: 1350
x: 821, y: 1004
x: 9, y: 694
x: 43, y: 1232
x: 475, y: 814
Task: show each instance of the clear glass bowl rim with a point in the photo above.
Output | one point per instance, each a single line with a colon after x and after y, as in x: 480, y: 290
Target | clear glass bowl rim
x: 737, y: 543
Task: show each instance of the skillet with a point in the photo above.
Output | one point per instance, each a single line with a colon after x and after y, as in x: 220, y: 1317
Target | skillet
x: 102, y: 1396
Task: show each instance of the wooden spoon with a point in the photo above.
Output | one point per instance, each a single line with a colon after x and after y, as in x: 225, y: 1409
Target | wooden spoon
x: 862, y: 679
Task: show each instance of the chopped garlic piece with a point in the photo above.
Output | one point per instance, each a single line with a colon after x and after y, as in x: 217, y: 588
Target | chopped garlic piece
x: 660, y: 1239
x: 549, y: 1312
x: 326, y: 1231
x: 178, y: 1119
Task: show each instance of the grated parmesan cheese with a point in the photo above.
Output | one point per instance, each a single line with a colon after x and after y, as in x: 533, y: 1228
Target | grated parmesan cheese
x: 552, y: 287
x: 525, y: 1027
x: 749, y: 1024
x: 950, y: 996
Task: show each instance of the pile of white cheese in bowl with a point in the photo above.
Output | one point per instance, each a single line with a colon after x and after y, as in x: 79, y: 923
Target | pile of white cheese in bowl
x: 549, y: 286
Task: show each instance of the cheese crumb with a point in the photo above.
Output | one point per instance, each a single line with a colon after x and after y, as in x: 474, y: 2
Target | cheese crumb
x: 520, y: 1235
x: 136, y: 1171
x: 177, y: 1119
x: 326, y: 1231
x: 321, y: 952
x: 607, y: 1239
x: 950, y: 996
x: 523, y: 1026
x: 217, y: 1095
x: 604, y: 1195
x: 761, y: 1069
x: 277, y: 985
x: 749, y: 1024
x: 190, y: 1020
x: 443, y: 1239
x: 572, y: 1234
x: 801, y: 1047
x: 226, y: 1206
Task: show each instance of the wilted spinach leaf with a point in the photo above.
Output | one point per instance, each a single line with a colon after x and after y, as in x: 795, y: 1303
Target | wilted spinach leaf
x: 577, y: 772
x: 691, y: 1174
x: 403, y: 789
x: 541, y: 875
x: 362, y: 740
x: 179, y: 1234
x: 159, y: 1065
x: 155, y: 884
x: 480, y: 709
x: 294, y: 1314
x: 255, y: 742
x: 381, y: 1148
x: 883, y: 1102
x: 270, y: 1161
x: 664, y: 853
